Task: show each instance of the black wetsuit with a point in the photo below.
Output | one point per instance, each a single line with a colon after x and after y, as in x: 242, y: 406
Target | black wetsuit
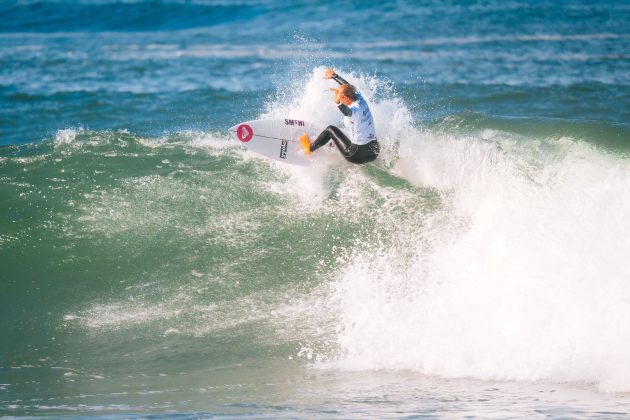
x: 355, y: 153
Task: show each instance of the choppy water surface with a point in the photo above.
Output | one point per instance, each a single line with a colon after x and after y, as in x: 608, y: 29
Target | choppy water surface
x: 151, y: 266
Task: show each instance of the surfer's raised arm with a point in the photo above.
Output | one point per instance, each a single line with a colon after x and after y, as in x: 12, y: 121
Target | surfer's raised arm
x: 330, y: 74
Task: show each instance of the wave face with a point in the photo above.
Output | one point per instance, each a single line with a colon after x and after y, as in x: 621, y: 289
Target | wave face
x: 150, y: 264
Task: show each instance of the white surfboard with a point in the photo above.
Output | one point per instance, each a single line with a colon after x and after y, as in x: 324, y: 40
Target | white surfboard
x: 278, y: 139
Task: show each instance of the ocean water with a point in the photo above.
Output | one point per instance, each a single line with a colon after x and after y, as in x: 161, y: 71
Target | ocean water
x: 151, y: 266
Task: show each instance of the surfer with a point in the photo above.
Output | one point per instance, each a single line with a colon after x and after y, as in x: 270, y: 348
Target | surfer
x: 363, y: 147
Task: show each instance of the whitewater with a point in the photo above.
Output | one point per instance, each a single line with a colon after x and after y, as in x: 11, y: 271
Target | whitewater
x: 517, y: 272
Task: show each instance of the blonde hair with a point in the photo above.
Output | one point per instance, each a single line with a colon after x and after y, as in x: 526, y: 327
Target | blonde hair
x: 348, y: 91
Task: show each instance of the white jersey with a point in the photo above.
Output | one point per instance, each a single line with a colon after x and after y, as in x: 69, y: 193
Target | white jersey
x: 360, y: 122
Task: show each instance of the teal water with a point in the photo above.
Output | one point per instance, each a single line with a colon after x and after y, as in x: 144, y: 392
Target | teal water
x: 150, y: 266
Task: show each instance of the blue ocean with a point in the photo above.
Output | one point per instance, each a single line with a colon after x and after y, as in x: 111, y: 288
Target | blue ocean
x: 152, y: 266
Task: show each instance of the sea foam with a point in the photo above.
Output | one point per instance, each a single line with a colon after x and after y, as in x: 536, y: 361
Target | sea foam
x: 521, y: 273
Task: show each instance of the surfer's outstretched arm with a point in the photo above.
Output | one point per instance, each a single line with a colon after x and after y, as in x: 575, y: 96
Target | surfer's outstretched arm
x: 330, y: 74
x: 339, y: 79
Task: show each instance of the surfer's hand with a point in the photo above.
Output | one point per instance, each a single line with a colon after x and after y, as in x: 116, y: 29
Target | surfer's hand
x: 329, y: 73
x: 336, y: 96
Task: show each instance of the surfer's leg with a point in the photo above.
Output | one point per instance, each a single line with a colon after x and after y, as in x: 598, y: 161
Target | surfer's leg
x: 324, y: 137
x: 321, y: 140
x: 343, y: 143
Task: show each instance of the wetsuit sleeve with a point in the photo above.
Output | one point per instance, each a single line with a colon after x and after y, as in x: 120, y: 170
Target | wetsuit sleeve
x: 345, y: 110
x: 339, y: 79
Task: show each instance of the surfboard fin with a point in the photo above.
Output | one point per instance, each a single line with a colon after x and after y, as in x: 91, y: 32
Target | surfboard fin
x: 306, y: 143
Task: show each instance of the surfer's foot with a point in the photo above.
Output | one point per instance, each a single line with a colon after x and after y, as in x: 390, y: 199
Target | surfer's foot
x: 306, y: 143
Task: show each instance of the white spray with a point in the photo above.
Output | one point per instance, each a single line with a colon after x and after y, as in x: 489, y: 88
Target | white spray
x: 522, y: 273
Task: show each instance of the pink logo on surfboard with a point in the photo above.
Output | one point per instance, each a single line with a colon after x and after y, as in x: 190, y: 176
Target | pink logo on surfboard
x: 244, y: 133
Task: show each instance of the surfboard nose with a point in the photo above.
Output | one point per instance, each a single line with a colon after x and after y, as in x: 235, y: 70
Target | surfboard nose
x: 243, y: 131
x: 232, y: 130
